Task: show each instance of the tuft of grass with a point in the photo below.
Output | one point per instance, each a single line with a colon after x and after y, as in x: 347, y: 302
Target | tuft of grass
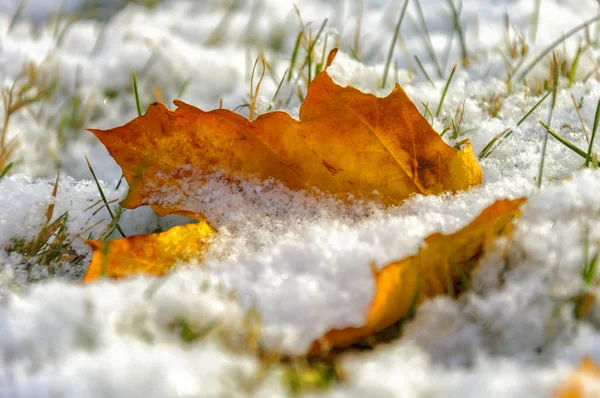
x: 302, y: 376
x: 309, y: 51
x: 253, y: 94
x: 554, y: 44
x: 30, y: 87
x: 52, y: 245
x: 584, y: 301
x: 497, y: 140
x: 115, y: 217
x: 189, y: 333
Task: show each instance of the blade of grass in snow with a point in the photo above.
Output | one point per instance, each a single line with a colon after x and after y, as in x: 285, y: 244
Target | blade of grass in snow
x: 308, y: 60
x: 535, y: 19
x: 555, y: 68
x: 319, y: 67
x: 459, y: 31
x: 427, y: 39
x: 112, y: 216
x: 555, y: 43
x: 585, y: 132
x: 137, y: 95
x: 590, y: 266
x: 424, y: 71
x: 393, y: 44
x: 564, y: 141
x: 489, y: 148
x: 183, y: 87
x: 594, y: 131
x: 439, y: 108
x: 294, y: 56
x: 138, y: 106
x: 7, y: 169
x: 16, y: 15
x: 279, y: 85
x: 574, y: 66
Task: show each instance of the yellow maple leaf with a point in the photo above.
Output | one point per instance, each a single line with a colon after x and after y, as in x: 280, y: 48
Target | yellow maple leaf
x: 442, y: 266
x: 152, y: 254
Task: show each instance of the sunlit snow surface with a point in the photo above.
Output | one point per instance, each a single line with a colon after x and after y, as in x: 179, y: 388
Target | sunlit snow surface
x: 301, y: 262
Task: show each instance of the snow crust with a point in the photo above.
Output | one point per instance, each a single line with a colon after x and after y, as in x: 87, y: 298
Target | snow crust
x: 301, y: 262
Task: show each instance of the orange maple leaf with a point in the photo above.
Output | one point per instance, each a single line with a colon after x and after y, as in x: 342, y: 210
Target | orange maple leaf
x: 346, y: 142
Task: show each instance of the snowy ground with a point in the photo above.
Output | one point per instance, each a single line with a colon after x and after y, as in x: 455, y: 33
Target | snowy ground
x: 298, y: 263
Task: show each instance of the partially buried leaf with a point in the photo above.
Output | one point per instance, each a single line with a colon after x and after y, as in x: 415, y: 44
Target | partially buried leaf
x: 442, y: 266
x: 151, y: 254
x: 346, y: 142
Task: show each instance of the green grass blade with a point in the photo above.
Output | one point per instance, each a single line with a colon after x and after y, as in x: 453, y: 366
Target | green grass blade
x: 7, y: 169
x: 596, y: 120
x: 489, y: 148
x: 427, y: 38
x: 183, y: 87
x: 279, y: 86
x: 137, y: 95
x: 294, y: 56
x: 459, y: 30
x: 16, y: 15
x: 439, y: 108
x: 311, y: 47
x: 564, y: 141
x: 545, y: 143
x: 424, y: 71
x: 535, y: 20
x: 112, y: 216
x: 574, y: 67
x: 393, y: 44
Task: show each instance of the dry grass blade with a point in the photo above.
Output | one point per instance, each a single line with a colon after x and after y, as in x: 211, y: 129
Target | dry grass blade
x: 28, y: 88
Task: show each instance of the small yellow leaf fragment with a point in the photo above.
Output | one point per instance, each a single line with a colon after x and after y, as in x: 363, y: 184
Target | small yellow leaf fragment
x: 152, y: 254
x: 442, y: 266
x: 584, y: 382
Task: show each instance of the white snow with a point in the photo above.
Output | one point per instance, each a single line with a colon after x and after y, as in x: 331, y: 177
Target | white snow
x: 299, y: 261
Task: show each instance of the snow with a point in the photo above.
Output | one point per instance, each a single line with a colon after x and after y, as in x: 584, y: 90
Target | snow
x: 299, y: 262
